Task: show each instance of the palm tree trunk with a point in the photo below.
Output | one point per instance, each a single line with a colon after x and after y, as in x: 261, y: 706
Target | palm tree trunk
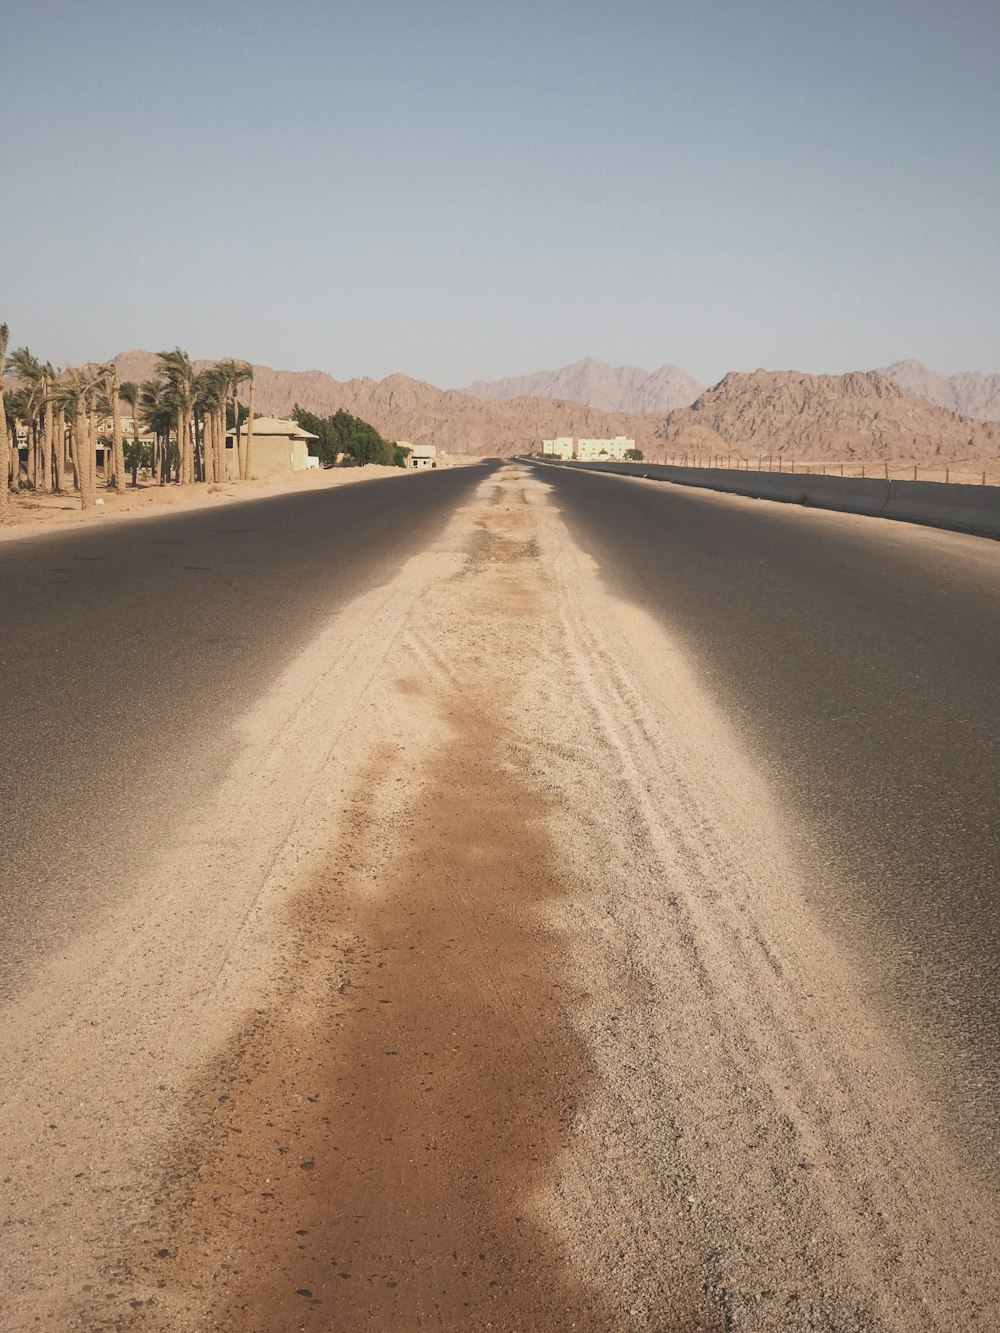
x: 237, y: 441
x: 4, y: 438
x: 91, y: 454
x: 199, y: 446
x: 135, y: 443
x: 245, y: 474
x: 189, y: 445
x: 206, y: 446
x: 117, y: 450
x: 83, y: 456
x: 67, y: 443
x: 180, y: 446
x: 73, y: 450
x: 58, y: 445
x: 220, y: 442
x: 45, y: 450
x: 213, y: 419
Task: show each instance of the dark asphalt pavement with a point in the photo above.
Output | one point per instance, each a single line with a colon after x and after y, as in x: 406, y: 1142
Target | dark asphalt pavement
x: 126, y: 651
x: 860, y: 660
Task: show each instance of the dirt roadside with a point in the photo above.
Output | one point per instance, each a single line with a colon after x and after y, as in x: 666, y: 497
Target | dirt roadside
x: 523, y: 1022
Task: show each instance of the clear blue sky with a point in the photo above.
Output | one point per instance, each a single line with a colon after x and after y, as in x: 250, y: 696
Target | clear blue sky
x: 459, y: 191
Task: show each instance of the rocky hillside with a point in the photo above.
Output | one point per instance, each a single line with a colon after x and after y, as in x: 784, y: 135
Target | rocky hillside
x: 401, y: 408
x: 865, y: 415
x: 970, y: 393
x: 596, y: 384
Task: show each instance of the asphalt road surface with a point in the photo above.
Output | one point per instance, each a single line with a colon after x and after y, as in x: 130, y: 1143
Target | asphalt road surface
x: 507, y: 897
x: 125, y: 651
x: 861, y: 658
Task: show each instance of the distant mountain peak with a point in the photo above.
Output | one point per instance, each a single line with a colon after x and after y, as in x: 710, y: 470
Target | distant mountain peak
x: 970, y: 393
x: 593, y: 383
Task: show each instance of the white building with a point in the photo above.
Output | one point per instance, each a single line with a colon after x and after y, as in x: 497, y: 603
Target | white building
x: 592, y: 451
x: 588, y: 451
x: 562, y: 447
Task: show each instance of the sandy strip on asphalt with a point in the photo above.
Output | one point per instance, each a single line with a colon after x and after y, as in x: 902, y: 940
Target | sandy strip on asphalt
x: 527, y: 1023
x: 98, y: 1050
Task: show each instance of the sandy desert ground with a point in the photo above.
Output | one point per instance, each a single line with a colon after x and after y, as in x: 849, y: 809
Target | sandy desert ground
x: 526, y: 1024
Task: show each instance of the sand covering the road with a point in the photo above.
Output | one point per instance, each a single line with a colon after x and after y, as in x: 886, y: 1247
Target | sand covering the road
x: 499, y: 1005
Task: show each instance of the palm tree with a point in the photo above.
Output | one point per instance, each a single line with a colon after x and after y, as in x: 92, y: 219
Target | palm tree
x: 31, y: 399
x: 52, y: 446
x: 230, y: 374
x: 157, y: 413
x: 57, y: 420
x: 245, y: 473
x: 129, y: 393
x: 237, y: 373
x: 211, y: 391
x: 104, y: 398
x: 76, y: 395
x: 176, y: 369
x: 4, y: 437
x: 110, y: 376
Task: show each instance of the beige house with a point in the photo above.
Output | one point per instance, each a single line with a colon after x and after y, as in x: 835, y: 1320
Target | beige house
x: 279, y: 447
x: 420, y: 455
x: 560, y: 447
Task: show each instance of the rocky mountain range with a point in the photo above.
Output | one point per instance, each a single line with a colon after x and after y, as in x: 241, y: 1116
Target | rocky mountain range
x: 402, y: 408
x: 971, y: 393
x: 597, y: 384
x: 864, y: 415
x: 629, y: 389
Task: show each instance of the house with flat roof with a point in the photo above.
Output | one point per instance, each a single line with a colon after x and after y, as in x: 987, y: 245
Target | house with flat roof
x: 279, y: 446
x: 420, y: 455
x: 592, y: 451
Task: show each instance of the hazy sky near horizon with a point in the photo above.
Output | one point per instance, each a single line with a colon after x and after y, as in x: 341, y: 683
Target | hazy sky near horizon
x: 462, y: 191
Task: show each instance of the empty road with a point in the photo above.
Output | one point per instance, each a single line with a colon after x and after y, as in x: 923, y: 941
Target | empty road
x: 127, y: 652
x: 501, y: 898
x: 861, y: 660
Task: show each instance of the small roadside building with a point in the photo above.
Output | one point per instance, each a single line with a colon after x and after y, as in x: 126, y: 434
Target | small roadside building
x: 279, y: 447
x: 420, y: 455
